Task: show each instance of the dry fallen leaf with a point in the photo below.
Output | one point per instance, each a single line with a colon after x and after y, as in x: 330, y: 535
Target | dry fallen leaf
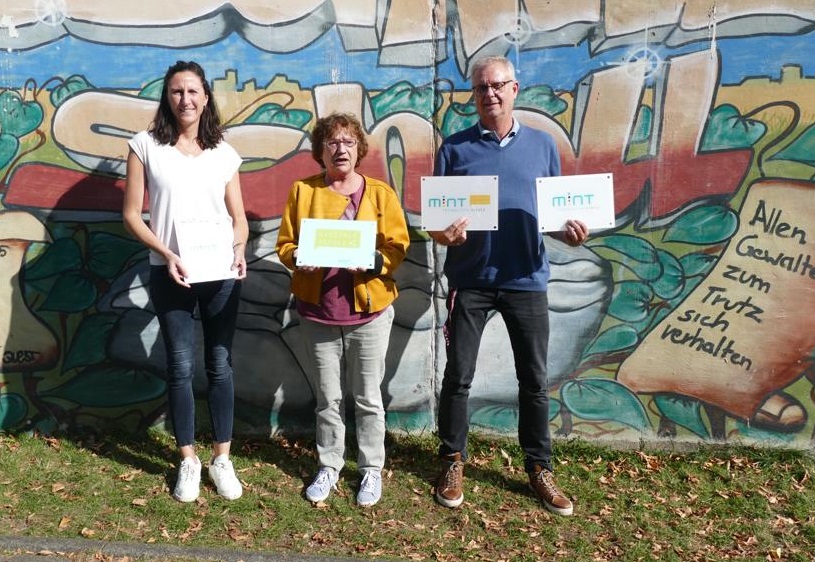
x: 139, y: 501
x: 64, y: 522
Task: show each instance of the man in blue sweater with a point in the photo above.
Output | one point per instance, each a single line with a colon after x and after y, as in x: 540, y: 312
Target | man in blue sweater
x: 505, y: 271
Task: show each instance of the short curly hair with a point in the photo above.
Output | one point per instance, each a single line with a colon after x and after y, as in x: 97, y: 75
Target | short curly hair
x: 326, y: 126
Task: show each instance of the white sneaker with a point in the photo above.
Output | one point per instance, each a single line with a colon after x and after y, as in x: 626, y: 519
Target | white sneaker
x: 319, y: 489
x: 370, y: 489
x: 223, y: 476
x: 188, y: 485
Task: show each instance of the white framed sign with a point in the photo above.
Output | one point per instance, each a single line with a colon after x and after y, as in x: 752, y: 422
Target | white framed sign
x: 588, y: 198
x: 337, y: 243
x: 205, y: 248
x: 446, y: 199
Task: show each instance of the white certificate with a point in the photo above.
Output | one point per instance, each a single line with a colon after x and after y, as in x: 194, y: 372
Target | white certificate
x: 205, y: 248
x: 588, y: 198
x: 446, y: 199
x: 337, y: 243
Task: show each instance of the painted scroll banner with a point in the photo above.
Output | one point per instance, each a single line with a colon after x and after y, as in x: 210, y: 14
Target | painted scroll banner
x: 738, y: 337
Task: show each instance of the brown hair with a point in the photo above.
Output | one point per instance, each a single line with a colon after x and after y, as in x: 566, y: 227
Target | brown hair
x: 164, y: 129
x: 330, y: 124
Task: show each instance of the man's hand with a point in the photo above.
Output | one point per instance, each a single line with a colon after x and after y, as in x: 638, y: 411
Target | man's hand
x: 453, y: 235
x: 575, y: 233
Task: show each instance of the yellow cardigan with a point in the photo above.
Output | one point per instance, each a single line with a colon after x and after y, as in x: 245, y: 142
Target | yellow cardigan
x: 311, y: 198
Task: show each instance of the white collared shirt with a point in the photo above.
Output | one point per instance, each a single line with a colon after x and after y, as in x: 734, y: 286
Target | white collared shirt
x: 501, y: 141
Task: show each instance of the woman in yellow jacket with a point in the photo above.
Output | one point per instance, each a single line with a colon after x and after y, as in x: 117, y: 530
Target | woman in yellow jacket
x: 346, y: 313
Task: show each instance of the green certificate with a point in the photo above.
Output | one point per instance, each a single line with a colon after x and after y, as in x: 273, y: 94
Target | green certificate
x: 337, y: 243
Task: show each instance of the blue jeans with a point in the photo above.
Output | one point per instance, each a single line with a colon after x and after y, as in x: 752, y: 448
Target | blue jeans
x: 217, y: 303
x: 526, y: 315
x: 351, y: 357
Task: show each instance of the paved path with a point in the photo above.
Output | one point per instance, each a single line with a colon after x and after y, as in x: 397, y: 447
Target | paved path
x: 29, y: 547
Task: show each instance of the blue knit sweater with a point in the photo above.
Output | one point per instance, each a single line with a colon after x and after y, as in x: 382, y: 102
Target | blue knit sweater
x: 514, y: 256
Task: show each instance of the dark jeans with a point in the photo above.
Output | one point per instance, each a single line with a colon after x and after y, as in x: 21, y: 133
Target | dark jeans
x: 526, y: 315
x: 217, y: 303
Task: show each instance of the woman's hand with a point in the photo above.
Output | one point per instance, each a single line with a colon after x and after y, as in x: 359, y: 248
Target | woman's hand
x: 176, y: 269
x: 306, y: 268
x: 239, y: 260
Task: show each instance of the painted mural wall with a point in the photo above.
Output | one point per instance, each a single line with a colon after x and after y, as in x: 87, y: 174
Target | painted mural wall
x: 689, y: 319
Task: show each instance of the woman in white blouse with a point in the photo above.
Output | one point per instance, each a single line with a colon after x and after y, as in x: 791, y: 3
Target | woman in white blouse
x: 191, y: 178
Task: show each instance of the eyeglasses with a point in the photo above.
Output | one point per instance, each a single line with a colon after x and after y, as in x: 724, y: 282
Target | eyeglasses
x: 497, y: 87
x: 333, y: 145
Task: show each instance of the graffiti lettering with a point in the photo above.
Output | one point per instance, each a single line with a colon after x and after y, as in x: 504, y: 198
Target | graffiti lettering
x: 744, y: 307
x: 605, y: 111
x: 606, y: 107
x: 722, y: 348
x: 800, y: 263
x: 407, y: 32
x: 751, y: 280
x: 705, y: 320
x: 22, y: 357
x: 772, y: 224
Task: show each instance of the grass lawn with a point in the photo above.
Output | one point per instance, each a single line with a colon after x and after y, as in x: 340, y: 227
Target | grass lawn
x: 710, y: 503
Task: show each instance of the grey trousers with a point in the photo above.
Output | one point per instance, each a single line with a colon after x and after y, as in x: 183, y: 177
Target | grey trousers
x: 349, y: 358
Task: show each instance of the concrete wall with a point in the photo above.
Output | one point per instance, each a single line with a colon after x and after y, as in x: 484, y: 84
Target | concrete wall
x: 688, y: 318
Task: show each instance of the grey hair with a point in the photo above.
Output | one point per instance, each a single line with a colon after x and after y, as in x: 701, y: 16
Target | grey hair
x: 484, y: 62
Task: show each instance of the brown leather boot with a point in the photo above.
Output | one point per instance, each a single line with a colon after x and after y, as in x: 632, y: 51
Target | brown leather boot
x: 542, y: 482
x: 449, y: 491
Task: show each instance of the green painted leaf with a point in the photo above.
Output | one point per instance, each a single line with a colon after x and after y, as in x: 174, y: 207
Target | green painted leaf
x: 458, y: 117
x: 616, y: 338
x: 109, y: 253
x: 60, y: 256
x: 152, y: 90
x: 73, y: 291
x: 632, y: 252
x: 642, y: 128
x: 542, y: 98
x: 18, y: 118
x: 89, y: 344
x: 410, y: 421
x: 110, y: 387
x: 13, y: 410
x: 630, y: 301
x: 697, y: 264
x: 275, y: 114
x: 727, y: 130
x: 682, y: 411
x: 73, y: 84
x: 690, y: 284
x: 9, y: 145
x: 501, y: 418
x: 672, y: 280
x: 801, y: 149
x: 604, y: 399
x: 404, y: 97
x: 710, y: 224
x: 765, y: 436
